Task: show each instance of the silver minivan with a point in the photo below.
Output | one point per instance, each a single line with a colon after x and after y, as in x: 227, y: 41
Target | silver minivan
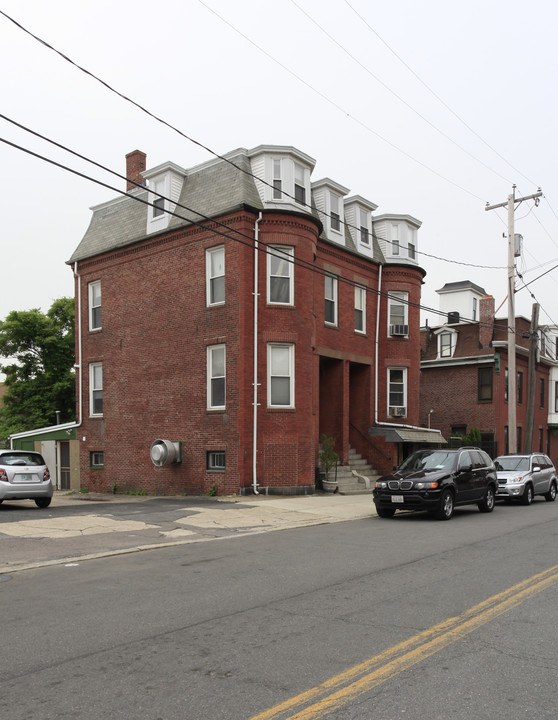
x: 24, y: 476
x: 521, y: 477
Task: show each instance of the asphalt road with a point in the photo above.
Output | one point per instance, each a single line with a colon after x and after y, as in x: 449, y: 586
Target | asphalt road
x: 404, y: 618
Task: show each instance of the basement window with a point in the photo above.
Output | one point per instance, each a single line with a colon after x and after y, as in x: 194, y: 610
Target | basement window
x: 97, y: 460
x: 215, y: 461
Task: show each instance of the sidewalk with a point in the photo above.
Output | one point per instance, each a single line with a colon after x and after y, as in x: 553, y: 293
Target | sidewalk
x: 54, y: 537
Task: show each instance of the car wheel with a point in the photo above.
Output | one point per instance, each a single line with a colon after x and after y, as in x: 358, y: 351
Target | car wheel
x: 527, y: 497
x: 549, y: 497
x: 486, y: 505
x: 43, y: 502
x: 385, y: 512
x: 445, y: 508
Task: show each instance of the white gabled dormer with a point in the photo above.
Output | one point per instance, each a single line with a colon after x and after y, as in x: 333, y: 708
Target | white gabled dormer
x: 446, y: 339
x: 164, y: 186
x: 397, y: 235
x: 358, y: 216
x: 286, y: 174
x: 328, y: 197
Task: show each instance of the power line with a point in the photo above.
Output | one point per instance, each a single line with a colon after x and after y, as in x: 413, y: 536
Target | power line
x: 204, y: 147
x: 396, y: 95
x: 307, y: 205
x: 249, y: 242
x: 430, y: 90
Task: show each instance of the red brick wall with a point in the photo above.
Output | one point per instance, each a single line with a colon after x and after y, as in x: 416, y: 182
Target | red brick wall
x: 153, y: 345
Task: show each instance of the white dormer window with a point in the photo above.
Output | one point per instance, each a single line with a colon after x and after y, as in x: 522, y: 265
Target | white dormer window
x: 364, y: 229
x: 282, y: 175
x: 159, y: 188
x: 395, y: 239
x: 165, y: 185
x: 334, y: 214
x: 277, y: 186
x: 299, y: 184
x: 447, y: 340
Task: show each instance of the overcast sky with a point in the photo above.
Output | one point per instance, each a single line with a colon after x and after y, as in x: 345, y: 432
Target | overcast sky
x: 430, y: 109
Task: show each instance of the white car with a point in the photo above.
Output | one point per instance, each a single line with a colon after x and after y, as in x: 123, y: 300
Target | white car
x: 521, y: 477
x: 24, y: 476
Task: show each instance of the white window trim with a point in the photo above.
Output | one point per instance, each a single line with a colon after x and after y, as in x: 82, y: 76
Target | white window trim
x: 445, y: 331
x: 398, y: 298
x: 405, y: 398
x: 210, y: 350
x: 93, y: 388
x: 91, y: 286
x: 291, y: 374
x: 164, y: 189
x: 208, y: 277
x: 334, y: 300
x: 339, y: 213
x: 282, y: 250
x: 361, y: 294
x: 367, y: 225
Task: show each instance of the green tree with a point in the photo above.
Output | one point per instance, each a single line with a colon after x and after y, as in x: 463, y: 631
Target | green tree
x: 40, y: 376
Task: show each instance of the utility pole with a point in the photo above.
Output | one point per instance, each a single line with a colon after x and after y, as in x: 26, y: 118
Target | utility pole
x: 530, y: 417
x: 512, y: 375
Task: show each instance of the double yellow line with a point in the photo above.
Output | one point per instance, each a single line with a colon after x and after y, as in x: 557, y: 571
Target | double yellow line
x: 348, y: 685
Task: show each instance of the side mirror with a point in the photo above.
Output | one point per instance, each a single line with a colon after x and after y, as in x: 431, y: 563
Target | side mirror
x: 466, y: 468
x: 536, y: 468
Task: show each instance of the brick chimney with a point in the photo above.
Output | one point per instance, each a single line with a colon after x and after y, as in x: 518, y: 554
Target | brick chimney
x: 486, y: 320
x: 135, y: 165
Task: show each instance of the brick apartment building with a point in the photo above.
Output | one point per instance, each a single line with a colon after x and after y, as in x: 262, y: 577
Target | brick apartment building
x: 464, y: 373
x: 231, y: 313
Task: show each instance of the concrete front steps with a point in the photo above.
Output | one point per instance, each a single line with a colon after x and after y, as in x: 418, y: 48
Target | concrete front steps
x: 356, y: 478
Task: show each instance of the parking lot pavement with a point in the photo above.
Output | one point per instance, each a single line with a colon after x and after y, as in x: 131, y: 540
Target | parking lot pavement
x: 77, y: 527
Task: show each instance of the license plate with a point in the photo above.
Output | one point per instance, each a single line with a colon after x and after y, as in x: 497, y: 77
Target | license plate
x: 397, y: 499
x: 23, y: 477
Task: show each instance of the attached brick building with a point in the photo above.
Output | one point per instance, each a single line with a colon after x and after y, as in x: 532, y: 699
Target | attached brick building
x: 174, y: 281
x: 464, y: 374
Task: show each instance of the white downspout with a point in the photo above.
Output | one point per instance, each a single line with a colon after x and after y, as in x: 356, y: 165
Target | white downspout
x: 383, y: 423
x: 78, y: 365
x: 255, y: 382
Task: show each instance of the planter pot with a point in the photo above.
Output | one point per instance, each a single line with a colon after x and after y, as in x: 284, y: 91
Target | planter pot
x: 329, y: 486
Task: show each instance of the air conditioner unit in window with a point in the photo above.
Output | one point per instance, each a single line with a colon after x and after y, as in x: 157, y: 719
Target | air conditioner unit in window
x: 397, y: 411
x: 398, y: 329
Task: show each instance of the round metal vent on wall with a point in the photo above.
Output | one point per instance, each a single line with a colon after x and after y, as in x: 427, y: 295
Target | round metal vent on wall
x: 164, y: 452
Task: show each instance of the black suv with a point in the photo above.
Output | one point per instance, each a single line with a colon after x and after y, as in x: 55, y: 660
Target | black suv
x: 438, y: 481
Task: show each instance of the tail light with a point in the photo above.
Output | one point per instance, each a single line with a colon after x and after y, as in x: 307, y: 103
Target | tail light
x: 46, y: 475
x: 3, y: 476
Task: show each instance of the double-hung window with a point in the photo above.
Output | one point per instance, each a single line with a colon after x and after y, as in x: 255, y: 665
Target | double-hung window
x: 395, y: 239
x: 364, y: 234
x: 277, y: 187
x: 216, y: 375
x: 485, y: 383
x: 335, y: 216
x: 398, y: 322
x: 397, y: 391
x: 95, y: 305
x: 330, y: 295
x: 159, y: 187
x: 96, y: 389
x: 280, y: 275
x: 360, y: 309
x: 299, y: 184
x: 280, y: 375
x: 215, y: 275
x: 445, y: 345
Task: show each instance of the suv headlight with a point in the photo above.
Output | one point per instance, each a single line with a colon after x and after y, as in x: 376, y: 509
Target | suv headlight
x: 425, y: 485
x: 381, y: 485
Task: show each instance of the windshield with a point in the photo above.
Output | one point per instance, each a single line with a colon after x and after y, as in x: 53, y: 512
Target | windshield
x: 512, y: 463
x: 24, y: 458
x: 429, y: 460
